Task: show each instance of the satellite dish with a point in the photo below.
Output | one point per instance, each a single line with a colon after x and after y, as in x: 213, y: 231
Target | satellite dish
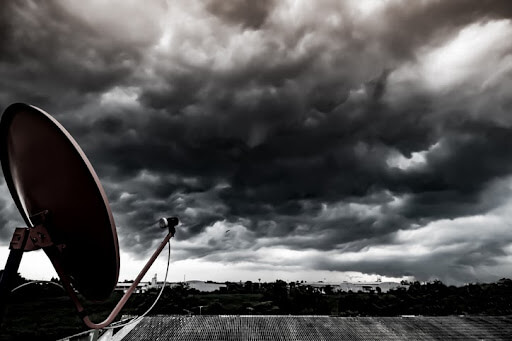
x: 45, y: 169
x: 63, y: 204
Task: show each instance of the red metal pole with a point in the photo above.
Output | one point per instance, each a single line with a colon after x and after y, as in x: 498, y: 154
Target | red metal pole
x: 11, y: 269
x: 81, y: 310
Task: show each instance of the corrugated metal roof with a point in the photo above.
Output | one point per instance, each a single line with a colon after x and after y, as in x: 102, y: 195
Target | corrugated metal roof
x: 315, y: 328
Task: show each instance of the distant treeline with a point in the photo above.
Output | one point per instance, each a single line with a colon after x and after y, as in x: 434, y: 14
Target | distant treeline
x: 44, y: 309
x: 279, y: 297
x: 429, y: 298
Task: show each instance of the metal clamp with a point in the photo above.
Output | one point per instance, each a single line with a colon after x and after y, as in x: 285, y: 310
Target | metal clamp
x: 38, y: 238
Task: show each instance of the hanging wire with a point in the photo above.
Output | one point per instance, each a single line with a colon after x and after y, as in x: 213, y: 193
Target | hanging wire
x: 139, y: 318
x: 36, y: 282
x: 120, y: 324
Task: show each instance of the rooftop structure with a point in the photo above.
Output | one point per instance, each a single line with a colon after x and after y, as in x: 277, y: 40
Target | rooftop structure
x: 284, y: 328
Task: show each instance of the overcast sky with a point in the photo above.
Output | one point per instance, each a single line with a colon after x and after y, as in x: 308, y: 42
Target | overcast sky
x: 300, y: 140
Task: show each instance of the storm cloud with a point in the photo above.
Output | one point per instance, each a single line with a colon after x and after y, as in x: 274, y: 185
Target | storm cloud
x: 368, y: 136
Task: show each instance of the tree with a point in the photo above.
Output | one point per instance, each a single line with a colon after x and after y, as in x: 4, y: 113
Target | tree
x: 248, y: 287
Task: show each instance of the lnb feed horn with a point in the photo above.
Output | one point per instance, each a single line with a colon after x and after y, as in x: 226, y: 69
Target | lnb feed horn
x: 65, y: 209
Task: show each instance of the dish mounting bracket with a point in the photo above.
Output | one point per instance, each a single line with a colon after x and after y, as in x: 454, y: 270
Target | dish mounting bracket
x: 32, y: 238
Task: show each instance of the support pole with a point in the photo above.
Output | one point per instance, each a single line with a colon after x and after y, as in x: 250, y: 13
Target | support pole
x: 81, y: 310
x: 10, y: 271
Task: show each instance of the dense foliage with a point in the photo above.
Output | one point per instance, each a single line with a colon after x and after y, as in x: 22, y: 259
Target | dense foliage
x: 44, y: 311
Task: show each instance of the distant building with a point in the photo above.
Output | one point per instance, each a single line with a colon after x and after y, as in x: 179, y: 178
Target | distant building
x: 356, y: 287
x: 141, y: 287
x: 205, y: 286
x: 154, y: 284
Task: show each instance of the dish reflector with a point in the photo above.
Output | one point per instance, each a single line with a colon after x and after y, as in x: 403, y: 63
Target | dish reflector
x: 45, y: 169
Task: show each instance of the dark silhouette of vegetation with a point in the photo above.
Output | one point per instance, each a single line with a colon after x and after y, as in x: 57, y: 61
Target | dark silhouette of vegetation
x: 16, y: 280
x: 433, y: 299
x: 43, y: 311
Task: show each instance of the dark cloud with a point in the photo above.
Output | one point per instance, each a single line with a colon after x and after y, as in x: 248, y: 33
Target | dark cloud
x: 409, y: 27
x: 250, y: 14
x: 318, y: 126
x: 53, y: 55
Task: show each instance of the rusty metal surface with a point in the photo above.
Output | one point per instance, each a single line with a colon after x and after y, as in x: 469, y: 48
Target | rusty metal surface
x: 45, y: 169
x: 38, y: 238
x: 267, y: 328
